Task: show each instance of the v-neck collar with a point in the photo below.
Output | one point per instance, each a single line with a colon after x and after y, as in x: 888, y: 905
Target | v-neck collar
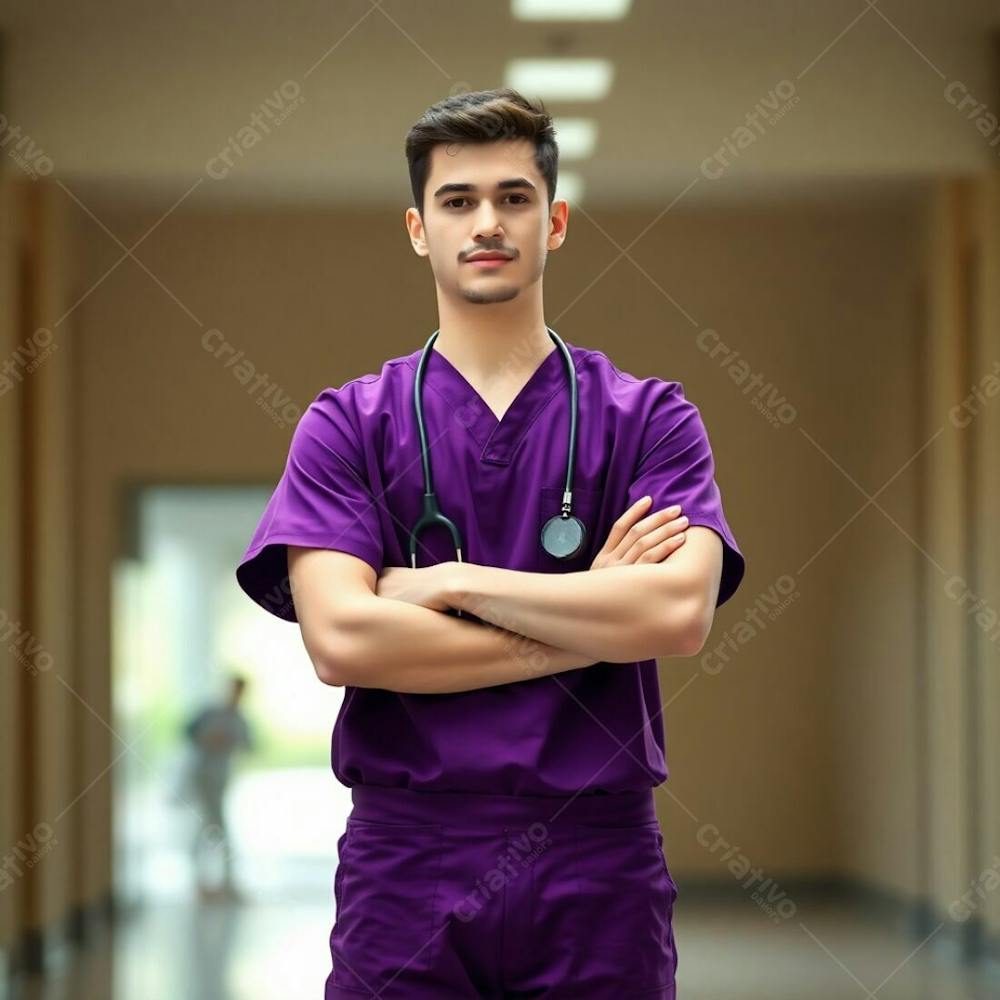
x: 497, y: 439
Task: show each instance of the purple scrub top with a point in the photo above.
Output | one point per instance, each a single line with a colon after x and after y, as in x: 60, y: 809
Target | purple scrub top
x: 353, y: 482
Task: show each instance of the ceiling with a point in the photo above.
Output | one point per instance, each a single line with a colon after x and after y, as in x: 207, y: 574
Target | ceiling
x: 138, y: 101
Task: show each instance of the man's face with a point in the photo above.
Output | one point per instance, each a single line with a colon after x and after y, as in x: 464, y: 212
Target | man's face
x: 466, y: 210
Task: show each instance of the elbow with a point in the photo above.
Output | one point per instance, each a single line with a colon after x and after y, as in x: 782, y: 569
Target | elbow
x: 330, y: 673
x: 687, y: 631
x: 338, y: 667
x: 344, y: 664
x: 328, y: 667
x: 691, y: 642
x: 341, y: 659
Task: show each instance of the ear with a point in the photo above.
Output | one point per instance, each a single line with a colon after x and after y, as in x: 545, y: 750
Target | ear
x: 415, y: 227
x: 558, y: 221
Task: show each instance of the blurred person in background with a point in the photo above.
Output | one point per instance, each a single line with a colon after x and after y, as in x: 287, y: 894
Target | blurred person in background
x: 214, y: 733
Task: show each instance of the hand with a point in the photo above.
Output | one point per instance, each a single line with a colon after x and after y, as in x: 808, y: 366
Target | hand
x: 637, y: 539
x: 424, y: 586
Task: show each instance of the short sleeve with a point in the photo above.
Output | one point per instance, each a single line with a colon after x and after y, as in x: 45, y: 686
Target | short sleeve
x: 321, y: 501
x: 676, y: 466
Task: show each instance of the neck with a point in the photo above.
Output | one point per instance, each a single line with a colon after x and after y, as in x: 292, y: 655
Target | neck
x: 483, y: 340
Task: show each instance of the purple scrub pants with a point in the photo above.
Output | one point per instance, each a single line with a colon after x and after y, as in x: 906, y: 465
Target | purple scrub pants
x: 454, y: 896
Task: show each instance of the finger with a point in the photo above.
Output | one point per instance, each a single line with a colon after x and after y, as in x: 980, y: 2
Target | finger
x: 623, y: 523
x: 633, y: 522
x: 666, y: 515
x: 654, y: 522
x: 658, y: 553
x: 655, y: 537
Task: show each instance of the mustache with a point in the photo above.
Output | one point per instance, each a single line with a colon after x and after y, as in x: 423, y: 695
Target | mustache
x: 509, y: 251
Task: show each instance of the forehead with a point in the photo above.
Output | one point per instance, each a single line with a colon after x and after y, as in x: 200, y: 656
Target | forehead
x: 482, y: 163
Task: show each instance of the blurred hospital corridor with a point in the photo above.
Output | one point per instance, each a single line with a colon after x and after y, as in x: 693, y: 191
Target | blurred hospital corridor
x: 275, y: 950
x: 793, y: 210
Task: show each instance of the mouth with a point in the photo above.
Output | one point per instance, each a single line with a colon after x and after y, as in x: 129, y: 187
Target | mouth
x: 489, y: 261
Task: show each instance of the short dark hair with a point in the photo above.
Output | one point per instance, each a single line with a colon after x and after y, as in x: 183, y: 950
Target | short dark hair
x: 481, y: 116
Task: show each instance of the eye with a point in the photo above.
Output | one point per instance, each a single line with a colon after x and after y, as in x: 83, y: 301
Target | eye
x: 524, y: 200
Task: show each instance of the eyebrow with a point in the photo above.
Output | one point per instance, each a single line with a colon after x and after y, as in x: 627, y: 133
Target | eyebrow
x: 513, y: 182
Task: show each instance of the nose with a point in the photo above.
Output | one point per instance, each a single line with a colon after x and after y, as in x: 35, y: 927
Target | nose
x: 487, y: 221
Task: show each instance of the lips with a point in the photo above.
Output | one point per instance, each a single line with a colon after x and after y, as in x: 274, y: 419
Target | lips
x: 488, y: 255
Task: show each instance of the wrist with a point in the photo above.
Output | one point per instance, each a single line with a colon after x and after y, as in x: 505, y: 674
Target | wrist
x: 457, y: 584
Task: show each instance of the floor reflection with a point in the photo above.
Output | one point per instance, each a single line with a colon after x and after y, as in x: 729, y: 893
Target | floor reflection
x: 266, y: 950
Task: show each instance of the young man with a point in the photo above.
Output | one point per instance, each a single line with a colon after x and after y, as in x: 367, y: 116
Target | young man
x: 501, y: 730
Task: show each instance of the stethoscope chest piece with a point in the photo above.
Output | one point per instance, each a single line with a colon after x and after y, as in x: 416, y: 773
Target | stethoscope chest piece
x: 563, y: 537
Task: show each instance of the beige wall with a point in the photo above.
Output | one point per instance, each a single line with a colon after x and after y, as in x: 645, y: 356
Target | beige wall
x: 42, y: 713
x: 963, y: 497
x: 62, y: 715
x: 9, y: 564
x: 986, y: 487
x: 815, y: 750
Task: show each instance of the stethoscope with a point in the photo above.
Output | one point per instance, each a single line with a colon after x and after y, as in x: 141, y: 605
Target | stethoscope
x: 563, y: 535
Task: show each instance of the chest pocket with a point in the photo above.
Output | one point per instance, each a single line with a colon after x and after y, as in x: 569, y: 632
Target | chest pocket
x: 586, y: 506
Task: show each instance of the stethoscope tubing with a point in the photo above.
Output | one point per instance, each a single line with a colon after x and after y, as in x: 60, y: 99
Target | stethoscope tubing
x: 432, y: 513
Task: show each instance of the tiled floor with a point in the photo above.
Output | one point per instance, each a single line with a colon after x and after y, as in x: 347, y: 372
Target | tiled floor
x: 278, y: 949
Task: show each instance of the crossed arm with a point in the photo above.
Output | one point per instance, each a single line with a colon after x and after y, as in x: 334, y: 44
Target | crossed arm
x: 618, y: 614
x: 390, y: 632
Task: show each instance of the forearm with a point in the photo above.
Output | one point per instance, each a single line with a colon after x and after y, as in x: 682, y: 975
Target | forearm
x: 404, y: 647
x: 618, y: 614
